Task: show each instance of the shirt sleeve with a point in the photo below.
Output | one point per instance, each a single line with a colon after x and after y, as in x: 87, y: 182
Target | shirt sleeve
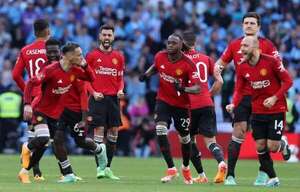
x: 35, y: 81
x: 272, y: 50
x: 227, y: 55
x: 285, y: 78
x: 17, y: 72
x: 85, y: 74
x: 239, y: 84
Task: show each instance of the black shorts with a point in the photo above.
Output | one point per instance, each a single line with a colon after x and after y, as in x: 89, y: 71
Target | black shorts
x: 40, y: 118
x: 68, y: 120
x: 165, y: 112
x: 243, y: 111
x: 204, y: 122
x: 105, y: 113
x: 268, y: 126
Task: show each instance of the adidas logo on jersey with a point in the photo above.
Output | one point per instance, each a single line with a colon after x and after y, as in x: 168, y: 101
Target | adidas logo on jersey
x: 247, y: 75
x: 60, y: 81
x: 162, y: 66
x: 99, y: 60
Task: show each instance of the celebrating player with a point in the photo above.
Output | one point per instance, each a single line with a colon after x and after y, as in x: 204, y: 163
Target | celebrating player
x: 33, y: 58
x: 251, y: 26
x: 106, y: 90
x: 269, y: 82
x: 175, y: 71
x: 55, y: 79
x: 203, y: 117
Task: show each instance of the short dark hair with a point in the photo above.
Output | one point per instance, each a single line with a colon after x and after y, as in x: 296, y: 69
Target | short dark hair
x: 53, y: 41
x: 254, y: 15
x: 106, y: 27
x: 69, y: 47
x: 39, y: 26
x: 189, y: 38
x: 177, y: 35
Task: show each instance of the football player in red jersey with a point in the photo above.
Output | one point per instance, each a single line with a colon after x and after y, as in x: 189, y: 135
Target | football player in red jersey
x: 104, y: 104
x: 241, y: 114
x: 203, y: 117
x: 269, y: 82
x: 177, y: 78
x: 56, y: 80
x: 33, y: 58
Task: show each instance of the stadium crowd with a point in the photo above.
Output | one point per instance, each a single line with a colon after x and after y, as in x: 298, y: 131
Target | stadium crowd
x: 141, y: 28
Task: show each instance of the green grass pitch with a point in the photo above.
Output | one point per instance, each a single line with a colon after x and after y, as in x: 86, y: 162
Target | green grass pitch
x: 140, y: 175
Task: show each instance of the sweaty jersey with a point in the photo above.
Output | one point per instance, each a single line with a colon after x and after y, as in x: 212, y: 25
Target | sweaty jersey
x: 32, y: 58
x: 267, y: 78
x: 55, y: 83
x: 233, y: 52
x: 205, y: 68
x: 109, y: 69
x: 182, y: 70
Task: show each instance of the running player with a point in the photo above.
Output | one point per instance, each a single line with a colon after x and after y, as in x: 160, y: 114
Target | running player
x: 241, y: 114
x: 55, y: 80
x: 269, y: 81
x: 175, y: 72
x: 203, y: 117
x: 33, y: 58
x: 104, y: 104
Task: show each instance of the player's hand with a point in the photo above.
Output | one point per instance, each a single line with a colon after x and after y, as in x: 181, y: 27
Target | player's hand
x: 230, y: 108
x: 98, y: 96
x: 218, y: 69
x: 27, y: 113
x: 270, y: 101
x: 82, y: 63
x: 178, y: 86
x: 120, y: 94
x: 142, y: 78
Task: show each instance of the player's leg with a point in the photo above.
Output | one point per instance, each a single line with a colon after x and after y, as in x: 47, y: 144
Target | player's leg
x: 162, y: 118
x: 60, y: 152
x: 182, y: 123
x: 195, y: 153
x: 260, y: 135
x: 98, y: 117
x: 240, y: 124
x: 113, y: 124
x: 37, y: 144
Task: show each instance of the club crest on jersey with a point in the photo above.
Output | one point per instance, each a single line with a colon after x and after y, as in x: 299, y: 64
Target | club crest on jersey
x: 263, y: 72
x: 72, y: 78
x: 178, y: 72
x: 114, y: 61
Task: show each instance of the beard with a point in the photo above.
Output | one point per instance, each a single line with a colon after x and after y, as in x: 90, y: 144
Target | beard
x: 106, y: 44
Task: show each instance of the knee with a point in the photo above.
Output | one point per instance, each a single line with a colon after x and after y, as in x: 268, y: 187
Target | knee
x: 43, y: 141
x: 80, y: 142
x: 59, y: 138
x: 273, y: 147
x: 185, y: 139
x: 240, y: 130
x: 260, y: 146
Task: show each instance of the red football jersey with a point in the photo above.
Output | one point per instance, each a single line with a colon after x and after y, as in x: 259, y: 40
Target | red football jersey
x: 233, y: 52
x: 76, y: 99
x: 183, y: 70
x: 109, y: 69
x: 55, y: 83
x: 32, y: 58
x: 205, y: 67
x: 267, y: 78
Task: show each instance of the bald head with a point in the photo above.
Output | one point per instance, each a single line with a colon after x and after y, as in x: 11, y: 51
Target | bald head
x: 249, y: 47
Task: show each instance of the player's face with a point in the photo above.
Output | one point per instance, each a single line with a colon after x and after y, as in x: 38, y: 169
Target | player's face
x: 75, y: 57
x: 250, y: 26
x: 247, y: 48
x: 106, y: 38
x: 53, y: 53
x: 174, y: 44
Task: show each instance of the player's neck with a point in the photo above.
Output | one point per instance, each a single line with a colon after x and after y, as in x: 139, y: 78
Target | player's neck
x: 174, y: 57
x: 255, y: 58
x: 41, y: 39
x: 105, y: 50
x: 65, y: 65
